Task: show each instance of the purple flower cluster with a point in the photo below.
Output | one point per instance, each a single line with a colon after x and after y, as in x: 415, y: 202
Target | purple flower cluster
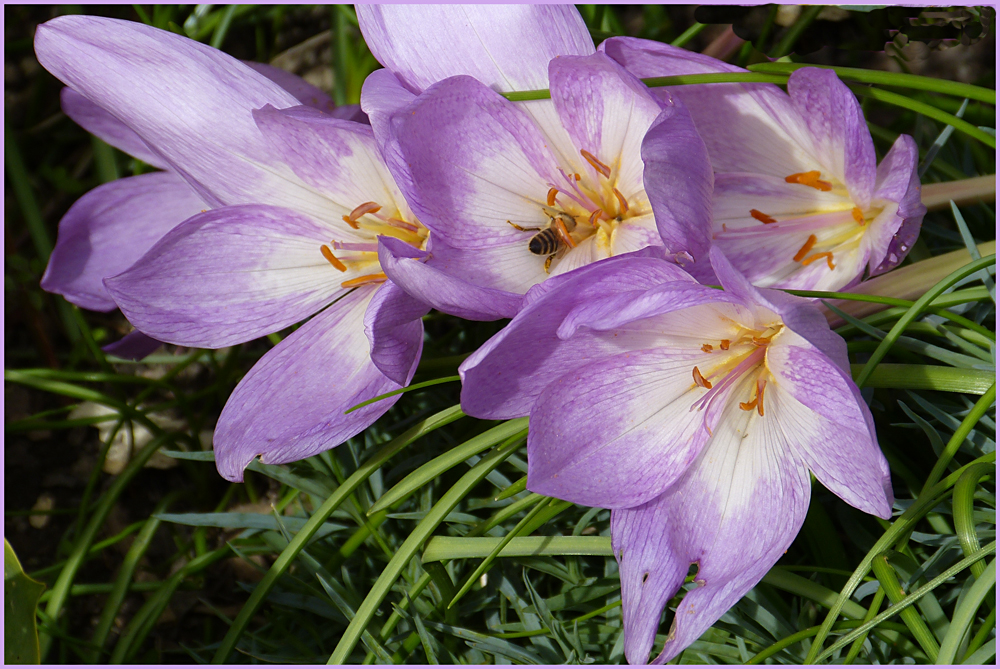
x: 596, y: 219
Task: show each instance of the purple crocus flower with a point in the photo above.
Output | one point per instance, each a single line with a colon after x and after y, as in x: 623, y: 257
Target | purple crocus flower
x: 798, y: 201
x: 515, y: 192
x: 295, y: 200
x: 695, y: 414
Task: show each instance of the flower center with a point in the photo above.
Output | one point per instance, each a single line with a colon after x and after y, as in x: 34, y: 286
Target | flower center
x: 362, y: 257
x: 836, y: 231
x: 579, y: 208
x: 744, y: 355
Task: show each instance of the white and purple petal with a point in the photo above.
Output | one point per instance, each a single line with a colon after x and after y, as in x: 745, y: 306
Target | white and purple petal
x: 319, y: 371
x: 98, y: 121
x: 395, y: 332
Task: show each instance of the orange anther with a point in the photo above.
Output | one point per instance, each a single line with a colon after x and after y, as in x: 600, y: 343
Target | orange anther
x: 560, y: 228
x: 760, y: 397
x: 400, y: 223
x: 811, y: 242
x: 595, y: 163
x: 551, y: 198
x: 758, y: 341
x: 622, y: 202
x: 361, y: 280
x: 328, y: 254
x: 747, y: 406
x: 576, y: 176
x: 701, y: 380
x: 810, y: 179
x: 707, y: 348
x: 858, y: 215
x: 762, y: 217
x: 362, y: 209
x: 347, y: 219
x: 817, y: 256
x: 594, y: 215
x: 724, y: 344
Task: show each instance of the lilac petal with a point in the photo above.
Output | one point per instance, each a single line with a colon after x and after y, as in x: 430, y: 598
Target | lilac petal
x: 337, y: 159
x: 228, y: 276
x: 322, y: 370
x: 745, y: 127
x: 733, y: 514
x: 395, y: 332
x: 191, y: 103
x: 502, y: 379
x: 414, y: 272
x: 382, y: 95
x: 507, y: 47
x: 897, y: 181
x: 678, y: 180
x: 798, y: 314
x: 834, y: 432
x: 111, y: 227
x: 477, y: 162
x: 606, y: 111
x: 134, y: 346
x: 303, y: 91
x: 646, y: 437
x: 97, y: 121
x: 840, y: 135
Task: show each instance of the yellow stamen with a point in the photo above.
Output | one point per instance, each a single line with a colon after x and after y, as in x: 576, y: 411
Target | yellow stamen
x: 805, y: 248
x: 594, y: 215
x: 595, y: 163
x: 760, y: 397
x: 701, y: 380
x: 707, y: 348
x: 551, y: 198
x: 361, y: 280
x: 858, y: 215
x: 763, y: 218
x: 747, y: 406
x: 328, y: 254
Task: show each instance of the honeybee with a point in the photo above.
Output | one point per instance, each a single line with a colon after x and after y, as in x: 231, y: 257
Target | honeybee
x: 548, y: 241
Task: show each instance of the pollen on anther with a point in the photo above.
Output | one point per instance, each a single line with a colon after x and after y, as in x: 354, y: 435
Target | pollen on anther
x: 594, y: 215
x: 595, y: 163
x: 347, y: 219
x: 332, y: 259
x: 707, y: 348
x: 551, y: 198
x: 747, y: 406
x: 622, y: 202
x: 760, y: 396
x: 805, y: 248
x: 810, y: 179
x: 701, y: 380
x: 378, y: 277
x: 762, y: 217
x: 859, y: 216
x: 724, y: 344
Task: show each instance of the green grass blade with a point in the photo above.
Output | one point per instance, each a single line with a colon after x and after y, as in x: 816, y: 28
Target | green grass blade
x: 917, y: 308
x: 965, y: 526
x: 890, y: 583
x: 928, y: 377
x: 970, y: 245
x: 689, y: 34
x: 25, y: 194
x: 342, y: 493
x: 965, y: 613
x: 410, y: 547
x: 508, y: 432
x: 415, y: 386
x: 968, y: 423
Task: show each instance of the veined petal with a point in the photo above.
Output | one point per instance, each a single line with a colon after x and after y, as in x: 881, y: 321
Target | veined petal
x: 502, y: 379
x: 395, y: 332
x: 228, y: 276
x: 798, y: 314
x: 100, y: 122
x: 646, y: 438
x: 507, y: 47
x: 303, y: 91
x: 413, y: 271
x: 337, y: 158
x: 829, y: 427
x: 678, y: 180
x: 505, y: 267
x: 322, y: 370
x: 897, y: 181
x: 606, y: 111
x: 745, y: 127
x: 133, y: 346
x: 382, y: 95
x: 193, y: 106
x: 840, y: 135
x: 477, y: 162
x: 111, y: 227
x: 733, y: 513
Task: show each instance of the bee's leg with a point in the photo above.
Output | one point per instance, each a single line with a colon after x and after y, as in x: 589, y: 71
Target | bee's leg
x: 518, y: 227
x: 548, y: 262
x: 562, y: 233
